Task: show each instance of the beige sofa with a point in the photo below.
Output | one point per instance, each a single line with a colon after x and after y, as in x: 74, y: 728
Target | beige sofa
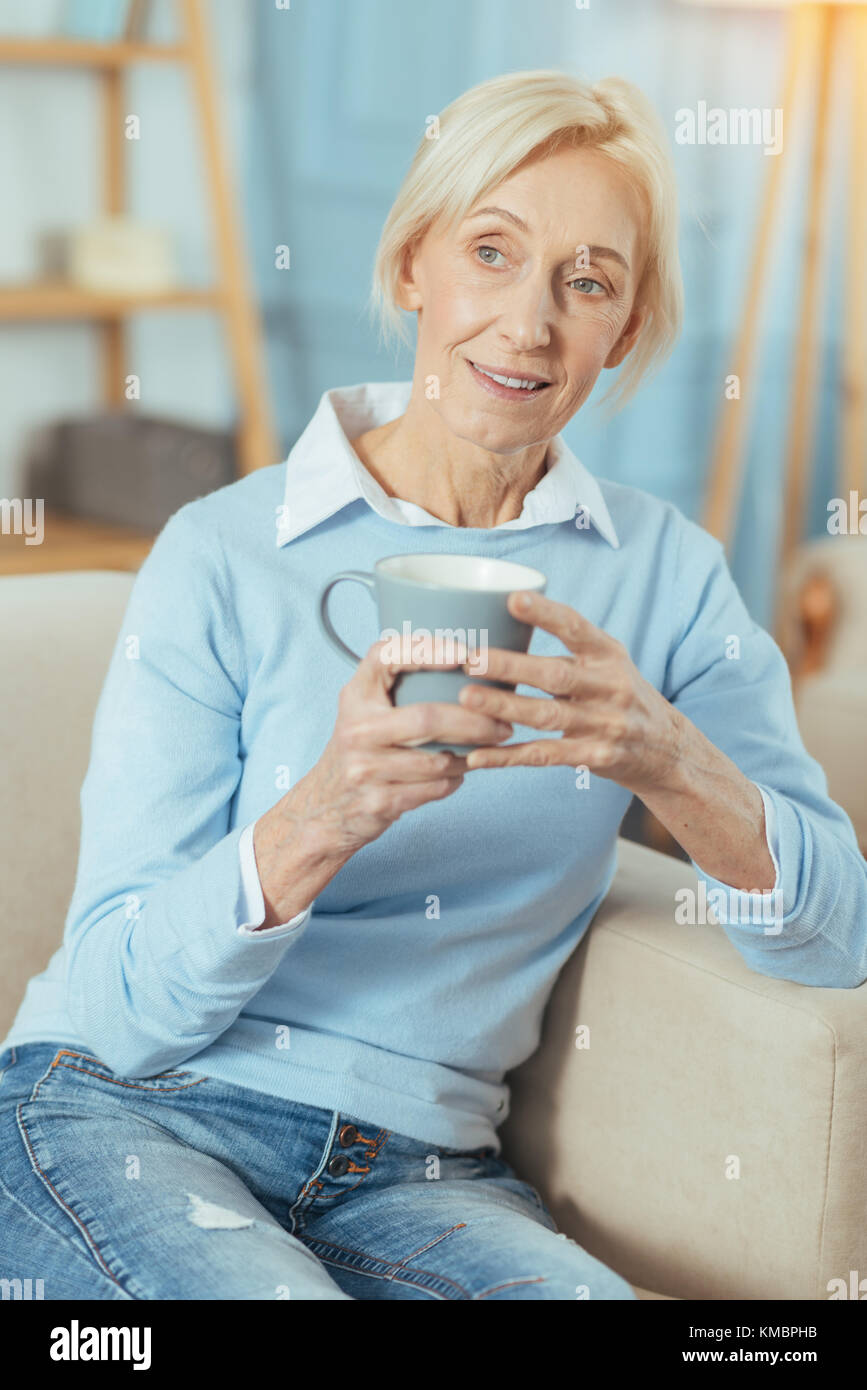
x: 832, y: 701
x: 694, y: 1062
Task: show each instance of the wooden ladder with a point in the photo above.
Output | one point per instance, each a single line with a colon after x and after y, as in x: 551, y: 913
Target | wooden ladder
x: 809, y: 69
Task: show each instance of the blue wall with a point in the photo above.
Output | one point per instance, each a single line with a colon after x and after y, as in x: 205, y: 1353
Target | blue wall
x: 341, y: 93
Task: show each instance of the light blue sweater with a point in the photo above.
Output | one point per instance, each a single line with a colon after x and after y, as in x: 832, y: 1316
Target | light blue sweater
x: 407, y: 1017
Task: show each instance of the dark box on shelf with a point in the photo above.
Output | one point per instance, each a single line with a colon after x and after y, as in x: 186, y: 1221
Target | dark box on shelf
x: 125, y: 469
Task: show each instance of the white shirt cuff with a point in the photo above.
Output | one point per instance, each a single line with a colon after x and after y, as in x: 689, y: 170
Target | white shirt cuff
x: 742, y: 907
x: 252, y: 904
x: 771, y: 835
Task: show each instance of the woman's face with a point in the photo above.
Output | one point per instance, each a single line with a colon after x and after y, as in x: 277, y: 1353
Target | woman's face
x: 538, y: 281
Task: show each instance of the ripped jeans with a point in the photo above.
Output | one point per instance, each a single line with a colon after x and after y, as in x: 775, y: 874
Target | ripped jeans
x: 180, y: 1186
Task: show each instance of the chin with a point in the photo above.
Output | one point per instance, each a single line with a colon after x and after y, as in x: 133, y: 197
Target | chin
x: 495, y: 438
x: 486, y: 432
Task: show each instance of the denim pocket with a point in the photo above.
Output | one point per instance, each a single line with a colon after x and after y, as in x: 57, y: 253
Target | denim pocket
x: 67, y: 1063
x: 485, y: 1152
x: 484, y: 1165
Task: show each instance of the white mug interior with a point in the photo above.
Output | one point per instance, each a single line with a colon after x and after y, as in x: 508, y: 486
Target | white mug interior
x: 476, y: 572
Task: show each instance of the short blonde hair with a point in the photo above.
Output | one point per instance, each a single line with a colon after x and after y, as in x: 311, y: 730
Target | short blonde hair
x: 495, y: 127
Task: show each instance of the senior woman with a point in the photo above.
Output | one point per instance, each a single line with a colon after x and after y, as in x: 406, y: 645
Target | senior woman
x: 261, y: 1066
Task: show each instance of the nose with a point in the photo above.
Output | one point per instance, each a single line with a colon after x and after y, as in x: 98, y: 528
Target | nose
x: 527, y: 313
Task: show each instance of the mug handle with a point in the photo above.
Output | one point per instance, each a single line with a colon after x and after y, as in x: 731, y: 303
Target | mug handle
x: 326, y: 624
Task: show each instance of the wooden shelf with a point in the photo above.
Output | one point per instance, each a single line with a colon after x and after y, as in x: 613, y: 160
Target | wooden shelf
x: 71, y: 543
x: 106, y: 64
x: 46, y: 300
x: 84, y: 53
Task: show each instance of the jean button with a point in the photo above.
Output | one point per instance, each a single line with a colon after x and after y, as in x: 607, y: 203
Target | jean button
x: 347, y: 1136
x: 338, y: 1165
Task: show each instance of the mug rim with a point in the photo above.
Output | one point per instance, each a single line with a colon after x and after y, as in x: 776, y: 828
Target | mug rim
x: 540, y: 582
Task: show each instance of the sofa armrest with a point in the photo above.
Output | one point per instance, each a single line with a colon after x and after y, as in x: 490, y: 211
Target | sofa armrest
x: 710, y: 1140
x: 832, y: 708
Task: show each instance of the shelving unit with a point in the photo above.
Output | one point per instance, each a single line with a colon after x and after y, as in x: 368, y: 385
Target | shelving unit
x: 74, y: 544
x: 83, y: 544
x: 821, y: 38
x: 48, y: 300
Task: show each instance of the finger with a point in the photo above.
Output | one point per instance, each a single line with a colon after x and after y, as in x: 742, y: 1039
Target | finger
x: 559, y: 675
x: 368, y: 676
x: 431, y: 721
x: 536, y: 713
x: 445, y: 656
x: 375, y: 674
x: 409, y: 797
x: 545, y: 752
x: 450, y: 658
x: 574, y: 630
x: 402, y: 765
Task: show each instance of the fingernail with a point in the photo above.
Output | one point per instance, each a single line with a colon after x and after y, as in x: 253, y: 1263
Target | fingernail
x: 522, y: 601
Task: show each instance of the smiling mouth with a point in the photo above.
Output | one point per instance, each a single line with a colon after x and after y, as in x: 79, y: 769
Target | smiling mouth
x: 507, y: 387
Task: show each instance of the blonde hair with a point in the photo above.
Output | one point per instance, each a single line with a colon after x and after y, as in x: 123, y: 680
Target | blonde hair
x: 500, y: 124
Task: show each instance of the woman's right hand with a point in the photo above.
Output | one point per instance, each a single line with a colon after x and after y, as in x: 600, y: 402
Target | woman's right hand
x: 368, y: 776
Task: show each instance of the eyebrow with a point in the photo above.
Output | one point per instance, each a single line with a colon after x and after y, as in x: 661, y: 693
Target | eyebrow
x: 598, y: 252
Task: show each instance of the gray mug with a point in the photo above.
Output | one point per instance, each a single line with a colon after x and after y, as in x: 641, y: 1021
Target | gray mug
x: 442, y: 600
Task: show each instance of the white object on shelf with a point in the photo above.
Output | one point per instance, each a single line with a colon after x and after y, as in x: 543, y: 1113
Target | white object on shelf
x: 118, y: 255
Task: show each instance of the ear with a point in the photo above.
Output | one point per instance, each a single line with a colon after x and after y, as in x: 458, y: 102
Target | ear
x: 408, y: 295
x: 628, y: 338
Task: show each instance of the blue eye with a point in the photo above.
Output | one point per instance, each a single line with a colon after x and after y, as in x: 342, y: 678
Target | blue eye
x: 492, y: 249
x: 585, y: 281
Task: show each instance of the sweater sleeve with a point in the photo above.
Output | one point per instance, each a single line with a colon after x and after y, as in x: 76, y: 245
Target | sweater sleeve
x: 728, y: 676
x: 156, y: 966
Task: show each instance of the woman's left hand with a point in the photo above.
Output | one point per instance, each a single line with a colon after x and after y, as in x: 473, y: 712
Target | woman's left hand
x: 611, y: 720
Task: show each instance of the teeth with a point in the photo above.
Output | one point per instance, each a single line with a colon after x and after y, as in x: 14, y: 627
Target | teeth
x: 513, y: 381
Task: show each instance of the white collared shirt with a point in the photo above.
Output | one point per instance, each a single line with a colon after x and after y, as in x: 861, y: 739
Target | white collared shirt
x: 324, y: 474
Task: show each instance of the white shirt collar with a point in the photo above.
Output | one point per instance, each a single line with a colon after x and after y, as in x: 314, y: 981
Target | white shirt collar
x: 324, y: 473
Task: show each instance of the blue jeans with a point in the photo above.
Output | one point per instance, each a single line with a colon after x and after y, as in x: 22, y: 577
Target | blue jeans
x: 180, y: 1186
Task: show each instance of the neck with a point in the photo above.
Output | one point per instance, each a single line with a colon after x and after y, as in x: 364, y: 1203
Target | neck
x: 417, y: 459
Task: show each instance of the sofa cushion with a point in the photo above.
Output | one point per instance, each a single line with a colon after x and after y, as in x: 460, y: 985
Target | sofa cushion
x: 56, y: 634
